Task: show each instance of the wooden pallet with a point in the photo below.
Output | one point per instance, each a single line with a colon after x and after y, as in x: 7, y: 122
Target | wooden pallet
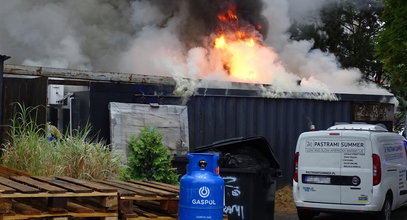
x: 7, y: 172
x: 160, y: 218
x: 23, y: 197
x: 146, y: 199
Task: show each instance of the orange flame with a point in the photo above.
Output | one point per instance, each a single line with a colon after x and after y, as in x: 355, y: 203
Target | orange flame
x: 236, y: 56
x: 220, y: 42
x: 237, y: 46
x: 229, y: 15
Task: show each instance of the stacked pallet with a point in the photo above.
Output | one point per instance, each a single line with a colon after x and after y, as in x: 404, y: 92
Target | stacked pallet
x: 146, y: 200
x: 27, y: 197
x: 140, y: 200
x: 23, y: 197
x: 7, y: 172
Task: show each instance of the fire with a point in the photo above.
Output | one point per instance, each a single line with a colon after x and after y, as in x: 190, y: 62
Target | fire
x: 220, y: 42
x: 238, y: 46
x: 237, y: 57
x: 229, y: 15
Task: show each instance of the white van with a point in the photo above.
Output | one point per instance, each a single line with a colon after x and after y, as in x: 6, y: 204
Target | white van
x: 350, y: 168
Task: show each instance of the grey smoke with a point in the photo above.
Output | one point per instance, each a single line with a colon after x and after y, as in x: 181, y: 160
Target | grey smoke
x: 316, y: 68
x: 76, y: 34
x: 308, y: 11
x: 162, y: 37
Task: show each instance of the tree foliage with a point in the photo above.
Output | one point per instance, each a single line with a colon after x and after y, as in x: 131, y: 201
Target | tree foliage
x: 347, y: 29
x: 149, y: 158
x: 368, y: 35
x: 391, y: 45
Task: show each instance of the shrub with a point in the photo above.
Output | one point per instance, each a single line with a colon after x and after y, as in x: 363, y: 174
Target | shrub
x: 149, y: 159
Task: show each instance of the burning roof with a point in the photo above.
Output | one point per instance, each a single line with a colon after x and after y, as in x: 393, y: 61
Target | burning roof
x: 200, y: 40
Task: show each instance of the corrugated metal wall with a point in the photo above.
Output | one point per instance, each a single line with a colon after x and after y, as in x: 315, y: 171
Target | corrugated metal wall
x: 216, y: 116
x: 281, y: 121
x: 27, y: 92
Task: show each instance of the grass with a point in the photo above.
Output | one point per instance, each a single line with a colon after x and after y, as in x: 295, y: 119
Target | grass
x: 76, y: 156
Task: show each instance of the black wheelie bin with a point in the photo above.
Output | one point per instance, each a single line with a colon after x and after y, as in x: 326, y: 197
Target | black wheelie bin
x: 250, y: 170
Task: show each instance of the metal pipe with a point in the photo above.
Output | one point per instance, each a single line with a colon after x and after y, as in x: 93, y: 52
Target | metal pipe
x: 70, y: 114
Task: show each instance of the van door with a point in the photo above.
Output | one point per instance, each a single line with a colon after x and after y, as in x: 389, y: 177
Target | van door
x: 394, y: 167
x: 403, y: 175
x: 356, y: 168
x: 319, y: 166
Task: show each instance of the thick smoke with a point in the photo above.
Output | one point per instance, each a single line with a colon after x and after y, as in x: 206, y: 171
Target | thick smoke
x: 307, y: 11
x: 203, y: 15
x: 175, y: 38
x: 316, y: 68
x: 76, y: 34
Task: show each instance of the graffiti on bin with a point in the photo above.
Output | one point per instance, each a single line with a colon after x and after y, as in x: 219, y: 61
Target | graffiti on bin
x: 232, y: 188
x: 235, y: 189
x: 234, y: 209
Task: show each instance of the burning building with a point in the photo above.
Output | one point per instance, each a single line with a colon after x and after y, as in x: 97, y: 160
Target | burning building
x: 212, y: 114
x: 230, y: 63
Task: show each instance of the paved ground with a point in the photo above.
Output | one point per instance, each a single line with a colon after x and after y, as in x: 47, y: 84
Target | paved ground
x: 400, y: 214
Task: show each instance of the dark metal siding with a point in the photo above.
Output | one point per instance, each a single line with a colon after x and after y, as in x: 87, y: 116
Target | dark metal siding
x: 216, y: 116
x: 27, y: 92
x: 281, y: 121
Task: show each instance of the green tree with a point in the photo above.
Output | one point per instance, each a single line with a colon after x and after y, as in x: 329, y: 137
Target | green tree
x: 347, y: 29
x: 149, y: 158
x: 391, y: 45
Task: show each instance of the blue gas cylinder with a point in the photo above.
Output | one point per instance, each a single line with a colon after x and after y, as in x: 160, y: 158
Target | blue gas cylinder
x: 201, y: 189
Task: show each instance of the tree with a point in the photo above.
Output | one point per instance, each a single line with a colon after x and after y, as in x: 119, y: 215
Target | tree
x: 347, y: 29
x: 391, y: 45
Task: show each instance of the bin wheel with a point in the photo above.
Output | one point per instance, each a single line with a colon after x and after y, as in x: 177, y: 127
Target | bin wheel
x: 385, y: 213
x: 306, y: 215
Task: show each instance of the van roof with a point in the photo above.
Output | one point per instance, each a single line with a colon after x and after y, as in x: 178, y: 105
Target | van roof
x: 363, y: 127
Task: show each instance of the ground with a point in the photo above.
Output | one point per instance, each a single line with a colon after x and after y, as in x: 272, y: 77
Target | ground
x: 400, y: 214
x: 285, y: 209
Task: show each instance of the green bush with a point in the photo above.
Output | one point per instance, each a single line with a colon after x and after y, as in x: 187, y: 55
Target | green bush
x: 149, y: 159
x: 29, y: 150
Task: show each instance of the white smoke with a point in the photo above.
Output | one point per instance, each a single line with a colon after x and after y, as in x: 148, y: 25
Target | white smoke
x: 146, y: 37
x: 315, y: 68
x: 145, y: 14
x: 69, y: 34
x: 155, y: 51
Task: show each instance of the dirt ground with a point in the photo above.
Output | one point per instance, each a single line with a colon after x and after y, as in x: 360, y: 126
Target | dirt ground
x: 284, y: 202
x: 285, y: 209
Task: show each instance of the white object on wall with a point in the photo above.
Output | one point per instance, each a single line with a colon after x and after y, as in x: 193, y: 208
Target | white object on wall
x: 55, y: 94
x: 128, y: 119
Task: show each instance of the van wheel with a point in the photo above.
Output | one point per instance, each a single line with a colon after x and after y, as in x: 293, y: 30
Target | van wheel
x: 385, y: 213
x: 305, y: 214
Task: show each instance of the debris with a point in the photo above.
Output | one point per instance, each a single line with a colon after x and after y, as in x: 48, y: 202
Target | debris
x: 284, y: 201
